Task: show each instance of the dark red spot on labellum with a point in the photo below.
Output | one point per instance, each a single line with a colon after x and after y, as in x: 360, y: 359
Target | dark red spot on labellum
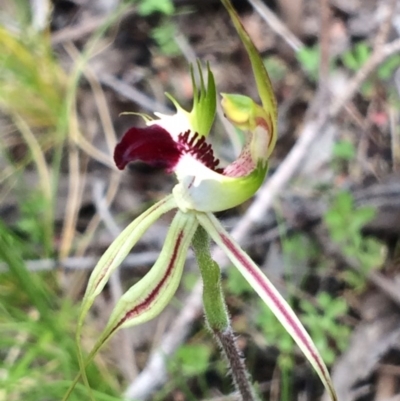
x: 152, y: 145
x: 192, y: 143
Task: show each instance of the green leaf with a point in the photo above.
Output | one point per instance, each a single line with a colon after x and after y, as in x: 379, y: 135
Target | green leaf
x: 309, y: 59
x: 344, y: 150
x: 235, y: 283
x: 387, y: 69
x: 147, y: 7
x: 192, y: 359
x: 356, y: 57
x: 164, y: 35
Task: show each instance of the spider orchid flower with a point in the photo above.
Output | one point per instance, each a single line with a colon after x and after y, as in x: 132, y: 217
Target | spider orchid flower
x: 178, y: 144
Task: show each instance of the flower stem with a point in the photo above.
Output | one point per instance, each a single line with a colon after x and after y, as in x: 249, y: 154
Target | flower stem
x: 216, y: 314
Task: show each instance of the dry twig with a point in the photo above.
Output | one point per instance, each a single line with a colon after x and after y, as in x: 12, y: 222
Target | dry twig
x: 277, y: 25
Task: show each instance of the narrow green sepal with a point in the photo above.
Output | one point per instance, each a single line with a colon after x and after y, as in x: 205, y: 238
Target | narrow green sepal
x: 268, y: 293
x: 118, y: 250
x: 148, y: 297
x: 260, y: 73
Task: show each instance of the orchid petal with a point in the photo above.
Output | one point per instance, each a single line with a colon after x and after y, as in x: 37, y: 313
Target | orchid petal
x: 147, y: 298
x: 269, y: 295
x: 261, y: 76
x: 247, y: 115
x: 119, y: 249
x: 174, y: 124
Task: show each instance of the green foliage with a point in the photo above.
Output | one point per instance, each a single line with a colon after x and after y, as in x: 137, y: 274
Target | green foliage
x: 387, y: 69
x: 235, y: 283
x: 147, y: 7
x: 190, y: 360
x: 34, y: 208
x: 164, y: 36
x: 297, y: 248
x: 37, y: 347
x: 277, y: 69
x: 353, y: 59
x: 344, y: 150
x: 276, y: 336
x: 28, y: 67
x: 356, y: 57
x: 344, y: 222
x: 309, y: 60
x: 323, y: 325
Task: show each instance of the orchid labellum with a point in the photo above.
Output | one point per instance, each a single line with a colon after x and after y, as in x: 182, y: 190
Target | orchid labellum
x: 178, y: 143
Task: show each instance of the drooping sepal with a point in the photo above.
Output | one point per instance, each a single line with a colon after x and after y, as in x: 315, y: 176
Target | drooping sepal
x: 269, y: 295
x: 118, y: 251
x: 146, y: 299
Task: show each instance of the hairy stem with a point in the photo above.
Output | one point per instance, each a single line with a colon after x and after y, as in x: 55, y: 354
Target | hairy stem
x: 216, y: 314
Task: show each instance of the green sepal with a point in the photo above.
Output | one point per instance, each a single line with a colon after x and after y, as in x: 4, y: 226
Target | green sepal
x: 263, y: 82
x: 118, y: 251
x: 269, y: 294
x: 147, y: 298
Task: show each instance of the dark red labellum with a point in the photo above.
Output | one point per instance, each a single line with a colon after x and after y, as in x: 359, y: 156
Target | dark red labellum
x: 152, y: 145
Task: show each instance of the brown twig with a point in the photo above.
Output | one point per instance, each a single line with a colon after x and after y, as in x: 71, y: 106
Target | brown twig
x: 388, y: 10
x: 72, y: 33
x: 324, y: 39
x: 134, y: 260
x: 277, y: 25
x: 133, y: 94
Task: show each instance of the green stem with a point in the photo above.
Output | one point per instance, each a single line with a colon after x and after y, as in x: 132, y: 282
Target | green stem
x: 216, y: 314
